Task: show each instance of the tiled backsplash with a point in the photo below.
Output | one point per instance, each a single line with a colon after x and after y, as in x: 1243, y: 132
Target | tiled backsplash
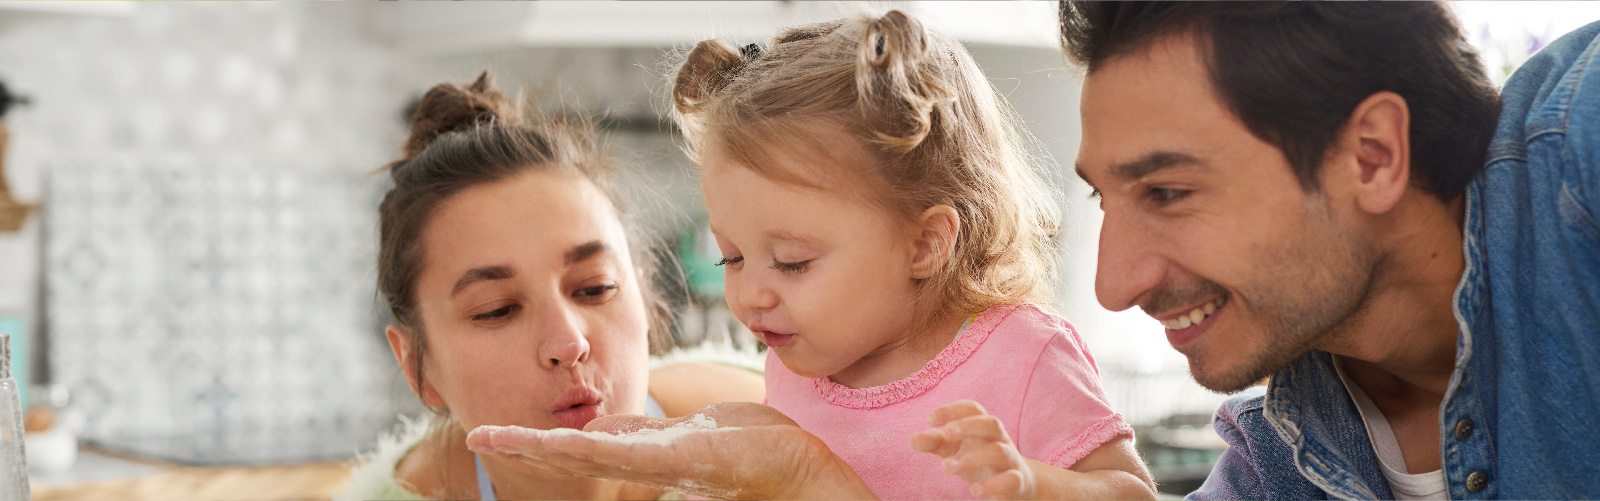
x: 217, y: 315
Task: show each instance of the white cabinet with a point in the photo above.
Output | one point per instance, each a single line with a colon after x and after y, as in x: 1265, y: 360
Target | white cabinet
x: 437, y: 28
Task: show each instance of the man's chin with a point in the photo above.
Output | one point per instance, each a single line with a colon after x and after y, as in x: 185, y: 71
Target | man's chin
x: 1226, y: 380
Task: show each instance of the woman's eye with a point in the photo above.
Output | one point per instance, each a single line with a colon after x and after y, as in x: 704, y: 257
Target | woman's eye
x: 1167, y: 195
x: 795, y: 267
x: 727, y: 261
x: 596, y: 291
x: 495, y: 314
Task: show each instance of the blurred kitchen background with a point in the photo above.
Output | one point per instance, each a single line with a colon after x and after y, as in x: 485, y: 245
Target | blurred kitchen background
x: 191, y: 299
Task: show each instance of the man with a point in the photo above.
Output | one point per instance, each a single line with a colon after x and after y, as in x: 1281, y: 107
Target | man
x: 1321, y: 195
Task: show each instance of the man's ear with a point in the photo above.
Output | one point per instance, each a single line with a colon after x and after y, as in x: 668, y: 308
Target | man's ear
x: 400, y: 344
x: 933, y: 239
x: 1378, y: 138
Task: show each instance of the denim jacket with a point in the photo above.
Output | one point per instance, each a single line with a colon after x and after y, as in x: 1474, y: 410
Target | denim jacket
x: 1521, y: 416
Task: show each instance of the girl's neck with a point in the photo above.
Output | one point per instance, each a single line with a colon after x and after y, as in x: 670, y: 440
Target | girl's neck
x: 902, y: 357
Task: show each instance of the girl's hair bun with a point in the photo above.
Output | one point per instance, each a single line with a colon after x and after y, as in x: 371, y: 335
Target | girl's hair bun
x: 449, y: 107
x: 708, y: 68
x: 894, y: 39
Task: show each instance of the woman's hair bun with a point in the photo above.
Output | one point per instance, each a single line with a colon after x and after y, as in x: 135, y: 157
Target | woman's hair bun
x: 449, y: 107
x: 708, y: 68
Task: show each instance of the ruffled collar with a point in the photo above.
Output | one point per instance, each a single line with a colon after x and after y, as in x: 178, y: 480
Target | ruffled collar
x: 961, y: 349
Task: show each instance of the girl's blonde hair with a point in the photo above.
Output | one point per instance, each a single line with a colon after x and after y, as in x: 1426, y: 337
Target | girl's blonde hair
x: 937, y: 131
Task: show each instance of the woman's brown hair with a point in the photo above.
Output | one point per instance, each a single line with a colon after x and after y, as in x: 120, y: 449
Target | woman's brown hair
x: 465, y: 136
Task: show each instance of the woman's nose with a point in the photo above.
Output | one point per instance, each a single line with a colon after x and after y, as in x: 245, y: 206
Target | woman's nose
x: 564, y: 341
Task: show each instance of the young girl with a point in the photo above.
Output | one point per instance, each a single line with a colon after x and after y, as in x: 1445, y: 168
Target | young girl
x: 884, y: 236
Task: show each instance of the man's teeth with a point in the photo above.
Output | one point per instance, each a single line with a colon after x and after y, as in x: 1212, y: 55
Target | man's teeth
x: 1194, y: 316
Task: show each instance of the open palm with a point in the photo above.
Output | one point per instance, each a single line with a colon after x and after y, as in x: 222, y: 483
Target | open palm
x: 755, y: 452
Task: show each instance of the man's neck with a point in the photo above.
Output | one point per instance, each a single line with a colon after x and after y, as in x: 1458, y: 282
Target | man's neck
x: 1403, y: 339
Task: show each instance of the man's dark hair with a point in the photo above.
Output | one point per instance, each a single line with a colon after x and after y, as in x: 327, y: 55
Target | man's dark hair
x: 1293, y: 72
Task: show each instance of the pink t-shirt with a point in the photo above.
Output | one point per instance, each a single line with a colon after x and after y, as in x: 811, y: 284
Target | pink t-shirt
x: 1025, y: 366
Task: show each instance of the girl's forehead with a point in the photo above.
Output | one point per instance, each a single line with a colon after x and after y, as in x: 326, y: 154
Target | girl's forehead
x: 834, y: 164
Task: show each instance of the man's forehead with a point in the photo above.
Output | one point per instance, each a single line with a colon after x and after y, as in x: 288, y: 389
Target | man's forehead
x: 1149, y: 110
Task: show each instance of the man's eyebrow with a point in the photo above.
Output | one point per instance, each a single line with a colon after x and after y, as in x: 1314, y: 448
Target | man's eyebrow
x: 481, y: 274
x: 585, y: 251
x: 1151, y: 163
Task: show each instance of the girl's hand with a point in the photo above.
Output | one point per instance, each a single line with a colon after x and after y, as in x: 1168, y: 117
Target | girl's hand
x: 977, y: 449
x: 754, y: 453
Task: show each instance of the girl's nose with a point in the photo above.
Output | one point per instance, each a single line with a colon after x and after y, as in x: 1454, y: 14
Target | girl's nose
x: 753, y: 292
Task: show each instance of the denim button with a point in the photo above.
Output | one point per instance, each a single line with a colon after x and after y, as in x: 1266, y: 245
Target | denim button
x: 1463, y: 428
x: 1477, y: 480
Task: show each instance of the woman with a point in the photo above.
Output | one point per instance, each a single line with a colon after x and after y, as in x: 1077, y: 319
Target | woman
x: 508, y: 265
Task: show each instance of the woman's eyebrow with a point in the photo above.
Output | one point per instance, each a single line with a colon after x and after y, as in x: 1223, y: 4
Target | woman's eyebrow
x: 585, y: 251
x: 481, y: 274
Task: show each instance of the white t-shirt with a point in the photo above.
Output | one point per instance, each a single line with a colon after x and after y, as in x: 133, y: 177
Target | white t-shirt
x: 1406, y: 486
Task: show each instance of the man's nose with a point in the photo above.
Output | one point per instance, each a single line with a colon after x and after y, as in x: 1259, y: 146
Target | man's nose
x: 1128, y: 266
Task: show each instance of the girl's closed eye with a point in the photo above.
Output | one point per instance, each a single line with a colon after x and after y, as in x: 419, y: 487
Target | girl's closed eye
x: 791, y: 268
x: 732, y: 262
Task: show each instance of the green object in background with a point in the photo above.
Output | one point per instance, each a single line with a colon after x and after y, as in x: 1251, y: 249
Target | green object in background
x: 19, y: 353
x: 698, y: 254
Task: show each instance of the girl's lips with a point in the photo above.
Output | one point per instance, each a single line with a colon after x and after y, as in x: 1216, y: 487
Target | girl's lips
x: 776, y: 340
x: 578, y: 415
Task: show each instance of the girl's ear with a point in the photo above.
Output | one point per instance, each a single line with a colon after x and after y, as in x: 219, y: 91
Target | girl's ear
x: 933, y: 239
x: 400, y: 344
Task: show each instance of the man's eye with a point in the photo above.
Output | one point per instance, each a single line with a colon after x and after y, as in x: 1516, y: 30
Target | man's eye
x: 730, y: 260
x: 1167, y: 195
x: 1094, y: 193
x: 499, y: 313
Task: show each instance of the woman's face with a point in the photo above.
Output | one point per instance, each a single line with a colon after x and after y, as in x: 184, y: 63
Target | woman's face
x: 531, y: 306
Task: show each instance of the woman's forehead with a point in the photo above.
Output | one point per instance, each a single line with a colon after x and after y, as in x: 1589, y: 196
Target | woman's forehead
x: 540, y: 219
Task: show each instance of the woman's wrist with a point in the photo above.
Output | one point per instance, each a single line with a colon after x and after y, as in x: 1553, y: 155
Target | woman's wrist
x: 827, y: 477
x: 834, y: 480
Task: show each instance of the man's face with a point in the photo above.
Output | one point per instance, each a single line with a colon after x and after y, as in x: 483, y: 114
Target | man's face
x: 1206, y: 227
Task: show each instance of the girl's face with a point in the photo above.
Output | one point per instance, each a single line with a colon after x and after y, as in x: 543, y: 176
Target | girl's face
x: 822, y: 278
x: 531, y: 306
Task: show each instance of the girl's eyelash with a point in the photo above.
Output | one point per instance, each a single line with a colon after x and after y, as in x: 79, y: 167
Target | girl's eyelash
x: 797, y: 267
x: 729, y: 260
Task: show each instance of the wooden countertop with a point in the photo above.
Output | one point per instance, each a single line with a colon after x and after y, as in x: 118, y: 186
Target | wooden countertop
x: 169, y: 482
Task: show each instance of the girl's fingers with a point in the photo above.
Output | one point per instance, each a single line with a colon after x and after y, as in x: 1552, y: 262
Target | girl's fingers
x: 975, y: 464
x: 983, y: 427
x: 953, y: 411
x: 934, y: 441
x: 1007, y: 484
